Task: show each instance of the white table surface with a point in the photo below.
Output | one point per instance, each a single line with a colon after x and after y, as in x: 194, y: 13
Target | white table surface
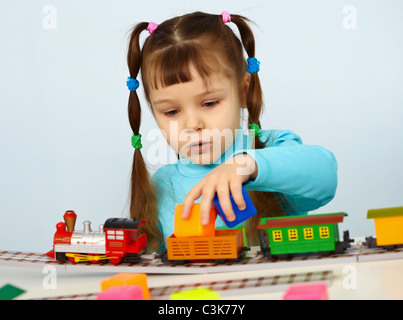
x: 360, y: 280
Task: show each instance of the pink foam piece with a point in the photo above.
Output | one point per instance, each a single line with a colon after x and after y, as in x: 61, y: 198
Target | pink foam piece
x: 310, y: 291
x: 126, y: 292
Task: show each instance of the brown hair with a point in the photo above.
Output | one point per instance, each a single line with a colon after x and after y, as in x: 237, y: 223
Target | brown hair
x: 204, y: 42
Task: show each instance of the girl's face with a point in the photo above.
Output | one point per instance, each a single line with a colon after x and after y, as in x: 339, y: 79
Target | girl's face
x: 200, y: 121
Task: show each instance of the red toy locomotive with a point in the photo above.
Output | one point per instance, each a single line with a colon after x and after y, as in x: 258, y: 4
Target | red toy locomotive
x: 116, y: 241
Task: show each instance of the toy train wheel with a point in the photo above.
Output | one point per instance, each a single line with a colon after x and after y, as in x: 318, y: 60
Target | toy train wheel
x: 241, y: 254
x: 390, y: 248
x: 164, y: 258
x: 115, y: 261
x: 284, y: 256
x: 372, y: 244
x: 326, y: 253
x: 93, y: 259
x: 72, y: 260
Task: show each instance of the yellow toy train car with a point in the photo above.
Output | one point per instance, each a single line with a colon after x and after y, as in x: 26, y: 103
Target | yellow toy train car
x: 388, y: 227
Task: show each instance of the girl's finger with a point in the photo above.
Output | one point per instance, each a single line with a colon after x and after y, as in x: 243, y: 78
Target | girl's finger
x: 190, y: 198
x: 223, y: 194
x: 205, y: 205
x: 236, y: 191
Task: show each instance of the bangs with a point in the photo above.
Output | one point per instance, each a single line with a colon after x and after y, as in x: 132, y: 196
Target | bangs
x: 176, y: 64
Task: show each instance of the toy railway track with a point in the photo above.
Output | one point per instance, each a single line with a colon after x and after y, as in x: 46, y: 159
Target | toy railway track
x: 25, y: 257
x: 226, y: 287
x: 154, y: 265
x: 307, y: 239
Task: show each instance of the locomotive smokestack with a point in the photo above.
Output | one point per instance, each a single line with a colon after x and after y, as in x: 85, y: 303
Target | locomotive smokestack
x: 87, y: 226
x: 70, y: 220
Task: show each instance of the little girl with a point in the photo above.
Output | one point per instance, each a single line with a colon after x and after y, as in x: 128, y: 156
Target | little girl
x: 197, y: 83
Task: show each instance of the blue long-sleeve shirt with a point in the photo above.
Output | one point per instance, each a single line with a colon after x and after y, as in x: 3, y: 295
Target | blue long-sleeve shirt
x: 305, y: 175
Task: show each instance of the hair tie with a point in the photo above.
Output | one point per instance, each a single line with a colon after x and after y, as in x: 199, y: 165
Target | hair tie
x: 151, y: 27
x: 136, y: 141
x: 253, y: 65
x: 226, y: 17
x: 255, y: 130
x: 132, y: 84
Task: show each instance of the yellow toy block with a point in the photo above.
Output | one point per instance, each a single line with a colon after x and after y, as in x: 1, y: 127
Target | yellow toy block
x: 196, y: 294
x: 122, y: 279
x: 192, y: 226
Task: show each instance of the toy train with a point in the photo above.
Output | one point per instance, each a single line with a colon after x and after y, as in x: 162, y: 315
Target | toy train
x: 224, y: 246
x: 192, y: 241
x: 283, y: 236
x: 388, y: 228
x: 118, y: 240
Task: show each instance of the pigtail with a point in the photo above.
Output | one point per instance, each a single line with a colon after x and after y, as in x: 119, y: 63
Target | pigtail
x: 254, y: 98
x: 143, y: 199
x: 267, y: 203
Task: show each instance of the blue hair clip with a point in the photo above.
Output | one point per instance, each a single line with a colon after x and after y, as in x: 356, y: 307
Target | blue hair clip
x: 132, y: 84
x: 253, y: 65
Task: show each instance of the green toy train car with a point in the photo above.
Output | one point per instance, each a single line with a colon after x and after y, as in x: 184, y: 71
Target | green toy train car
x: 318, y: 233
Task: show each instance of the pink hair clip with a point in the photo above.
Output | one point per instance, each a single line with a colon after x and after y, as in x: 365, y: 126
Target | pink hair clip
x: 226, y: 17
x: 151, y: 27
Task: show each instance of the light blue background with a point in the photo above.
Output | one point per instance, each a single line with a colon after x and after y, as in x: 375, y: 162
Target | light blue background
x: 64, y: 133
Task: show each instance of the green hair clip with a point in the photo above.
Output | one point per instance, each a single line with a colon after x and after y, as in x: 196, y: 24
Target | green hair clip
x: 255, y: 130
x: 136, y: 141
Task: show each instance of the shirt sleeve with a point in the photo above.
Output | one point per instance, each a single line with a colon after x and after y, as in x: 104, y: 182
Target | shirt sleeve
x: 305, y: 175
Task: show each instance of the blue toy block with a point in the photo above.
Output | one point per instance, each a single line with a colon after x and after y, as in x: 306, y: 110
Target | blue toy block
x: 241, y: 215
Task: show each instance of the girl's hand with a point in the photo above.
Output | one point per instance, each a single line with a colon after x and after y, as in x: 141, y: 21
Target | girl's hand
x: 224, y: 180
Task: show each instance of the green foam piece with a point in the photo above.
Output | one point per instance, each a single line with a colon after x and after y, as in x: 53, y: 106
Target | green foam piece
x: 9, y: 292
